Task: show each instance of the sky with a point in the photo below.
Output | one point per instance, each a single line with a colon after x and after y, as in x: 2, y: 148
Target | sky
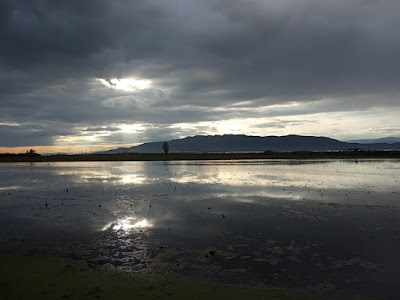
x: 82, y: 76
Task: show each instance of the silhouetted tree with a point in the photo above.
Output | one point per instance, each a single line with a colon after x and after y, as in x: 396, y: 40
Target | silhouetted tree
x: 30, y: 153
x: 165, y: 147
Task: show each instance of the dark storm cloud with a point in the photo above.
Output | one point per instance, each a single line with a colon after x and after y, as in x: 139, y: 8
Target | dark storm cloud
x: 206, y: 59
x: 103, y: 128
x: 32, y: 134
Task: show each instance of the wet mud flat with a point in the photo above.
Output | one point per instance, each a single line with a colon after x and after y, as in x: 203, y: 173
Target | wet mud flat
x: 289, y: 229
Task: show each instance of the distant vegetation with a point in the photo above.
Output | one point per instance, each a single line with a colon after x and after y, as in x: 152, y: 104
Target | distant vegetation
x: 346, y: 154
x: 30, y: 153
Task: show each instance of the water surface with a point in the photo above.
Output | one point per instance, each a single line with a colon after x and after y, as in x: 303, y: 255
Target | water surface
x: 332, y: 226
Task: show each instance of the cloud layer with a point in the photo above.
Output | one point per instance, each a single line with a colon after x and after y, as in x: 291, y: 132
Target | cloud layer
x: 208, y: 62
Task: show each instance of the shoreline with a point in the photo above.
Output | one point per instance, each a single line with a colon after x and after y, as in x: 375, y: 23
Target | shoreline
x: 205, y: 156
x: 54, y: 277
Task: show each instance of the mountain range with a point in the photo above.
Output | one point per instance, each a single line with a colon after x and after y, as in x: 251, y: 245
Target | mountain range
x: 244, y: 143
x: 388, y: 140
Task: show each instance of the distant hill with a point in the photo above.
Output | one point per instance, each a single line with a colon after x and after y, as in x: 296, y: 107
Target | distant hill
x: 388, y: 140
x: 244, y: 143
x: 118, y: 150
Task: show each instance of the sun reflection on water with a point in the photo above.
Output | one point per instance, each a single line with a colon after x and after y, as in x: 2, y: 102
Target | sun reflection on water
x: 132, y: 179
x: 127, y: 224
x: 13, y: 187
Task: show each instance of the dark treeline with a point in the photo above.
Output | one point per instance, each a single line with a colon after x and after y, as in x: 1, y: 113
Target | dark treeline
x: 30, y: 153
x: 354, y: 154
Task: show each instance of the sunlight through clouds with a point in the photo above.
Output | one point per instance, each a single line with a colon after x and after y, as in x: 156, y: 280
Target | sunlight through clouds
x: 325, y: 68
x: 126, y: 84
x: 131, y: 128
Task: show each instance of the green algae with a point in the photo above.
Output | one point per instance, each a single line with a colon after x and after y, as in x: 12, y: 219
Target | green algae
x: 43, y: 277
x: 40, y: 277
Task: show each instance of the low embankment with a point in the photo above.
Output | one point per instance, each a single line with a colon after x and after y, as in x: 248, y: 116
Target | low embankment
x: 205, y: 156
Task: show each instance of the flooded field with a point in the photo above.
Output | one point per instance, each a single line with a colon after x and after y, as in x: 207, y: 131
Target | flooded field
x: 331, y: 227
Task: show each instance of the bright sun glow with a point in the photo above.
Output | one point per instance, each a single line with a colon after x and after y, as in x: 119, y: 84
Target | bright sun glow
x: 229, y: 127
x: 127, y: 224
x: 131, y: 128
x: 126, y: 84
x: 133, y: 179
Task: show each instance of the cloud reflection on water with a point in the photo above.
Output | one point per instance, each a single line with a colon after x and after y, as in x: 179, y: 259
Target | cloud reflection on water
x: 311, y: 174
x: 135, y: 215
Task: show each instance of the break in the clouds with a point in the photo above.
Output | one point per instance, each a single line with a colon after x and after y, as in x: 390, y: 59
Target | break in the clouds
x: 125, y: 72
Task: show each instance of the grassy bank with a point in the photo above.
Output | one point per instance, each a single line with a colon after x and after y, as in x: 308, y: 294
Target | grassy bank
x: 206, y: 156
x: 39, y: 277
